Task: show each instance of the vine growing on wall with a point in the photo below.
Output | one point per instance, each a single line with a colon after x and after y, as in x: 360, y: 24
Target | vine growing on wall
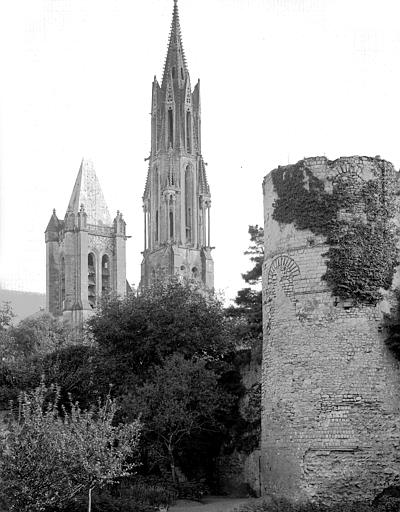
x: 357, y: 219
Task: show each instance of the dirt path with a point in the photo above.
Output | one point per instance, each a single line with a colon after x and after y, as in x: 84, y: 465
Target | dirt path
x: 210, y: 504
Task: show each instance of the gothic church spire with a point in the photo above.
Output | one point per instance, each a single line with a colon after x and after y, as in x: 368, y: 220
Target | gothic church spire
x: 176, y: 200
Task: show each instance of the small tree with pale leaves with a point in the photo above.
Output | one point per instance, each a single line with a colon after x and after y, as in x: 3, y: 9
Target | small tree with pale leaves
x: 49, y: 458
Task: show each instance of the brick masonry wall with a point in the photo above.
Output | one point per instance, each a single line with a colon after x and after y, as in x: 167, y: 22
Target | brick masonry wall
x: 330, y: 386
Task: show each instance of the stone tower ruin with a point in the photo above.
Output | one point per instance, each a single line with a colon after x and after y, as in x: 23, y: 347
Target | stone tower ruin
x: 176, y: 200
x: 330, y: 384
x: 85, y: 252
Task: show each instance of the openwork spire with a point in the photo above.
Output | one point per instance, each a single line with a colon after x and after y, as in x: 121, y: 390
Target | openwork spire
x: 175, y: 62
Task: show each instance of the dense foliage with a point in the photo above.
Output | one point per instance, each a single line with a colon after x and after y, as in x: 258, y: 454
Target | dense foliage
x: 168, y: 353
x: 140, y: 331
x: 42, y: 345
x: 39, y: 335
x: 180, y: 399
x: 168, y: 356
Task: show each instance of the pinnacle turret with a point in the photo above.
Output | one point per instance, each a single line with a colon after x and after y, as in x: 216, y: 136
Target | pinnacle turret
x: 54, y: 224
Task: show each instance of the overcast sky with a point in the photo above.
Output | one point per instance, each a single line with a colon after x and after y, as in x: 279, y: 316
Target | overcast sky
x: 280, y: 80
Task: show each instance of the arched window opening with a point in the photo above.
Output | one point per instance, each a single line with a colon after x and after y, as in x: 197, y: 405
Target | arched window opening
x: 62, y: 284
x: 188, y: 132
x: 171, y: 225
x: 170, y: 128
x: 173, y: 72
x: 188, y: 203
x: 182, y: 73
x: 105, y: 274
x: 91, y: 280
x: 157, y: 226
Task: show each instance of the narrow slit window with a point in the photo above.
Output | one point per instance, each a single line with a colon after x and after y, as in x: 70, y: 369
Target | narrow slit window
x: 171, y: 224
x: 157, y: 226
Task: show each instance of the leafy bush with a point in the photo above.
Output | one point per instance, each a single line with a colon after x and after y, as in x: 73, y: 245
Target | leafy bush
x: 48, y: 459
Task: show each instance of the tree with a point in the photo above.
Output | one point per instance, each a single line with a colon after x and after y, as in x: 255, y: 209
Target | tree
x: 26, y: 351
x: 6, y: 341
x: 6, y: 316
x: 248, y: 302
x: 40, y: 334
x: 48, y: 458
x: 79, y: 370
x: 181, y: 399
x: 138, y: 332
x: 256, y: 253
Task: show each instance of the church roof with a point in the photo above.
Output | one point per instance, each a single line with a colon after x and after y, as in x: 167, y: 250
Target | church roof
x: 87, y: 191
x: 175, y: 54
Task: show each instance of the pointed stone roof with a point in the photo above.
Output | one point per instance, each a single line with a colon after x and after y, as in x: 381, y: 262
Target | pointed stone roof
x: 87, y: 191
x: 147, y: 186
x: 175, y: 54
x: 204, y: 187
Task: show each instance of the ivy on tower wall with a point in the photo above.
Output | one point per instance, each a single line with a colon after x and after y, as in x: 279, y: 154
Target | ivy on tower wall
x: 356, y: 215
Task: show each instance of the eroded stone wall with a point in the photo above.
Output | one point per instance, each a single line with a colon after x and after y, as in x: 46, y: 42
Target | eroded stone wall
x: 330, y: 386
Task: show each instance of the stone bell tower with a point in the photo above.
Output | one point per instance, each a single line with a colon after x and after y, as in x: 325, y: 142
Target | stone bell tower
x: 85, y: 252
x: 176, y: 200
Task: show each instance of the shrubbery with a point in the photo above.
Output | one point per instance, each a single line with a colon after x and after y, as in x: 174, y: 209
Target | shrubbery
x: 51, y: 454
x: 133, y: 495
x: 168, y: 356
